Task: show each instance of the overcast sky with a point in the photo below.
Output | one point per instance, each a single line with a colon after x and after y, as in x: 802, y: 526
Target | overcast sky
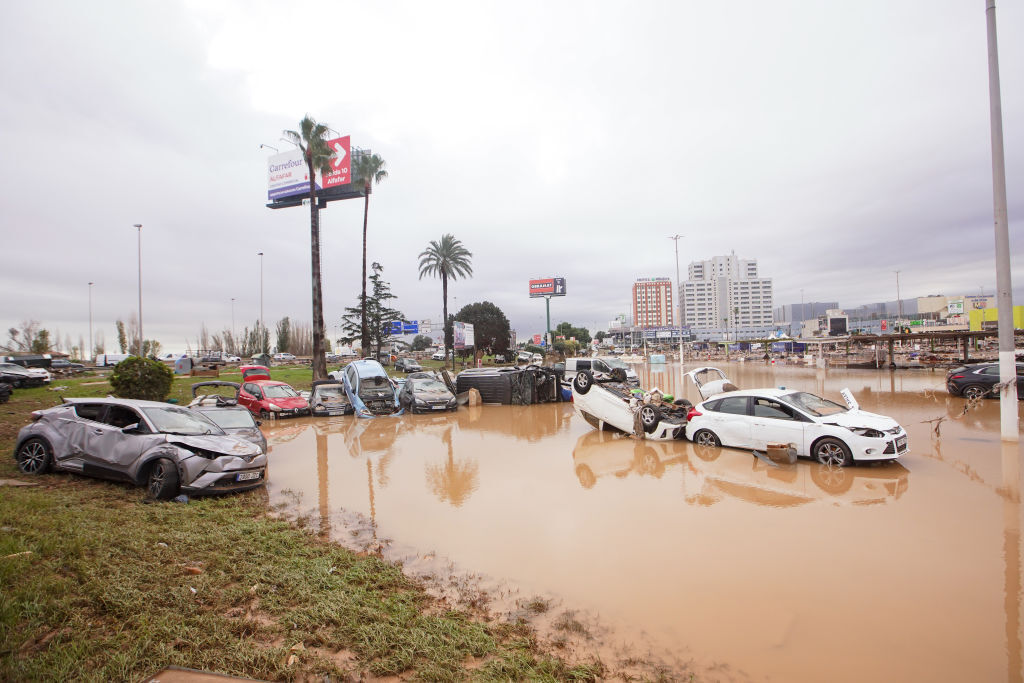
x: 835, y: 142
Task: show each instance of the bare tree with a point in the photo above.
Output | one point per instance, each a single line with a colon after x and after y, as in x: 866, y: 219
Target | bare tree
x: 21, y: 338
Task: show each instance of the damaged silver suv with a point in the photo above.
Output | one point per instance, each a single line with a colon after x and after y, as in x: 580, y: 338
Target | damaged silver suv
x: 166, y: 448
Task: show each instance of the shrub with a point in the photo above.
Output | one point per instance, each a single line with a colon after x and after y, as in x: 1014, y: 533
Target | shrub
x: 141, y: 378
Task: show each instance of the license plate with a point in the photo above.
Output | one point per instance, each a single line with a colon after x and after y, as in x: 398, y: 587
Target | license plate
x: 901, y: 443
x: 438, y: 407
x: 247, y: 476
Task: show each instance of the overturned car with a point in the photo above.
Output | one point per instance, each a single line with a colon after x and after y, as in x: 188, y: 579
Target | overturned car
x: 612, y: 404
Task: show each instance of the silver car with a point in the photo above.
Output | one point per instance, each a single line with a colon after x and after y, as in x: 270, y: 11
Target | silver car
x: 166, y: 448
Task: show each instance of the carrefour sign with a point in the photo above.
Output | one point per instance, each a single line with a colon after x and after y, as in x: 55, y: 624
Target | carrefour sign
x: 288, y: 176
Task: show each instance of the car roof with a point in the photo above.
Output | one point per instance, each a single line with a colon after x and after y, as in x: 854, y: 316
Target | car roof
x: 771, y: 392
x: 368, y: 368
x: 130, y: 402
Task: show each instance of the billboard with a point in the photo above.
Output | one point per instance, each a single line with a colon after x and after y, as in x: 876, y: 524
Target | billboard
x: 464, y: 337
x: 955, y: 307
x: 552, y: 286
x: 404, y: 327
x: 287, y: 175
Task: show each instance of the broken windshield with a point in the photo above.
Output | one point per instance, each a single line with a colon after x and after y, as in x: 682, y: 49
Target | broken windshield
x: 815, y: 405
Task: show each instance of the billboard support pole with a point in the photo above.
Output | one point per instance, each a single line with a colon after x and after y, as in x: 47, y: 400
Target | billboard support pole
x: 547, y: 333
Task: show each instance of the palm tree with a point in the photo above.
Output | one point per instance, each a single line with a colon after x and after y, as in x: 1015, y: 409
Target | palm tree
x: 369, y: 169
x: 446, y: 259
x: 311, y: 138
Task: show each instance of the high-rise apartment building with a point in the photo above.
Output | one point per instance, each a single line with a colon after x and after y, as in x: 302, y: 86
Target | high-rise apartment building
x: 653, y: 303
x: 724, y: 295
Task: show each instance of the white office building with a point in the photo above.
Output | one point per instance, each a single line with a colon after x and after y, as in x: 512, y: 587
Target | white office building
x: 723, y: 298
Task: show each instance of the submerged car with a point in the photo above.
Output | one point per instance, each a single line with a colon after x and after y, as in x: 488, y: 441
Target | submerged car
x: 224, y: 410
x: 813, y: 426
x: 264, y: 397
x: 369, y: 388
x: 329, y: 397
x: 978, y: 380
x: 612, y: 404
x: 423, y: 392
x: 166, y: 448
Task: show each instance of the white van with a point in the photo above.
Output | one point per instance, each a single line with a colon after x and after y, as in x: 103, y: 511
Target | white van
x: 107, y: 359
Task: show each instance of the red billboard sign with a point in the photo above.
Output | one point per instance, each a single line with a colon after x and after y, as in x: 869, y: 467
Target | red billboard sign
x: 536, y: 340
x: 552, y: 286
x: 885, y: 325
x: 341, y: 162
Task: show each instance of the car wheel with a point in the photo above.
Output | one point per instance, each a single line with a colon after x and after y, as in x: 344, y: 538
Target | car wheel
x: 973, y: 392
x: 832, y: 452
x: 264, y: 415
x: 34, y: 456
x: 582, y: 381
x: 650, y: 416
x: 162, y: 483
x: 706, y: 437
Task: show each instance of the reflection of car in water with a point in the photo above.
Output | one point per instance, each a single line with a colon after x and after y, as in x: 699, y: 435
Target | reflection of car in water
x: 718, y: 473
x: 600, y: 453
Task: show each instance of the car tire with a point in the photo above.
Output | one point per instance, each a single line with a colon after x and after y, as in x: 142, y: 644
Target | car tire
x: 264, y: 415
x: 162, y: 481
x: 829, y: 451
x: 650, y: 416
x: 706, y: 437
x: 34, y: 456
x: 974, y: 391
x: 583, y: 381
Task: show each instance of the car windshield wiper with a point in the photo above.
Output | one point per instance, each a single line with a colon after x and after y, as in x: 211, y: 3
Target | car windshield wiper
x: 167, y: 431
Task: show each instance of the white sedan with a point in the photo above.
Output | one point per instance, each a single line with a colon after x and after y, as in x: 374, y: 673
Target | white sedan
x: 816, y: 427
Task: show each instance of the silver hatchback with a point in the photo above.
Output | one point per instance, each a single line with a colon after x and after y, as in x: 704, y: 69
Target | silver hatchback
x: 166, y: 448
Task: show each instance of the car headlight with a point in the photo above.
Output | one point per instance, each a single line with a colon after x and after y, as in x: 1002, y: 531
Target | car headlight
x: 420, y: 402
x: 273, y: 406
x: 867, y: 431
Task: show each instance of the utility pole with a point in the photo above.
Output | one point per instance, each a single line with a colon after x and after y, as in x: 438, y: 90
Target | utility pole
x: 1004, y: 293
x: 90, y: 323
x: 138, y: 226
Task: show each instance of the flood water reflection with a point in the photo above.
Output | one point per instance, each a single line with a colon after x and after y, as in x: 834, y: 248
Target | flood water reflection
x: 904, y: 571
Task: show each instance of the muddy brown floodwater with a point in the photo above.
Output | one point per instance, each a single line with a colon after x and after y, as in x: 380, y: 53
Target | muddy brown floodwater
x: 897, y: 572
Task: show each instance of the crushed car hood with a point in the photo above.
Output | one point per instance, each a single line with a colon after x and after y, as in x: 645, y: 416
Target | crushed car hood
x: 218, y: 443
x: 861, y: 418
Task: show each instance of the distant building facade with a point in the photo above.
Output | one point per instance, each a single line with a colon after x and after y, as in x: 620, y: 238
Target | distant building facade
x: 653, y: 303
x: 723, y: 297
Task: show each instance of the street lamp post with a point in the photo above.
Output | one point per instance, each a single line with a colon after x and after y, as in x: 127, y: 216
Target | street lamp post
x: 262, y: 350
x: 679, y: 301
x: 232, y: 324
x: 90, y: 322
x: 138, y: 227
x: 899, y: 301
x: 1004, y: 291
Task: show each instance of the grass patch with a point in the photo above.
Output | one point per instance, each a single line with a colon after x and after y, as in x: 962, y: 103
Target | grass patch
x: 98, y: 584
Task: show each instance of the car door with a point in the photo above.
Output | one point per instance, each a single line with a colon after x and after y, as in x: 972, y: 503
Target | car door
x: 731, y: 421
x: 110, y: 451
x: 250, y: 396
x: 774, y: 422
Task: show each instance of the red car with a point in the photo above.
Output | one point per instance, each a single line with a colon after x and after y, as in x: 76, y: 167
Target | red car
x: 265, y: 397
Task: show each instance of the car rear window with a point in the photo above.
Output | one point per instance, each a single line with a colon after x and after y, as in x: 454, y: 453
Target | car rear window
x: 734, y: 405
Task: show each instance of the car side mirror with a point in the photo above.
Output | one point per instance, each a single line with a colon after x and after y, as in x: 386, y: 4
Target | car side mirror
x: 134, y: 427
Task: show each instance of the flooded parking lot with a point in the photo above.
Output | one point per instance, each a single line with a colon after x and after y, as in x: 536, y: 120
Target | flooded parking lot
x: 902, y: 571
